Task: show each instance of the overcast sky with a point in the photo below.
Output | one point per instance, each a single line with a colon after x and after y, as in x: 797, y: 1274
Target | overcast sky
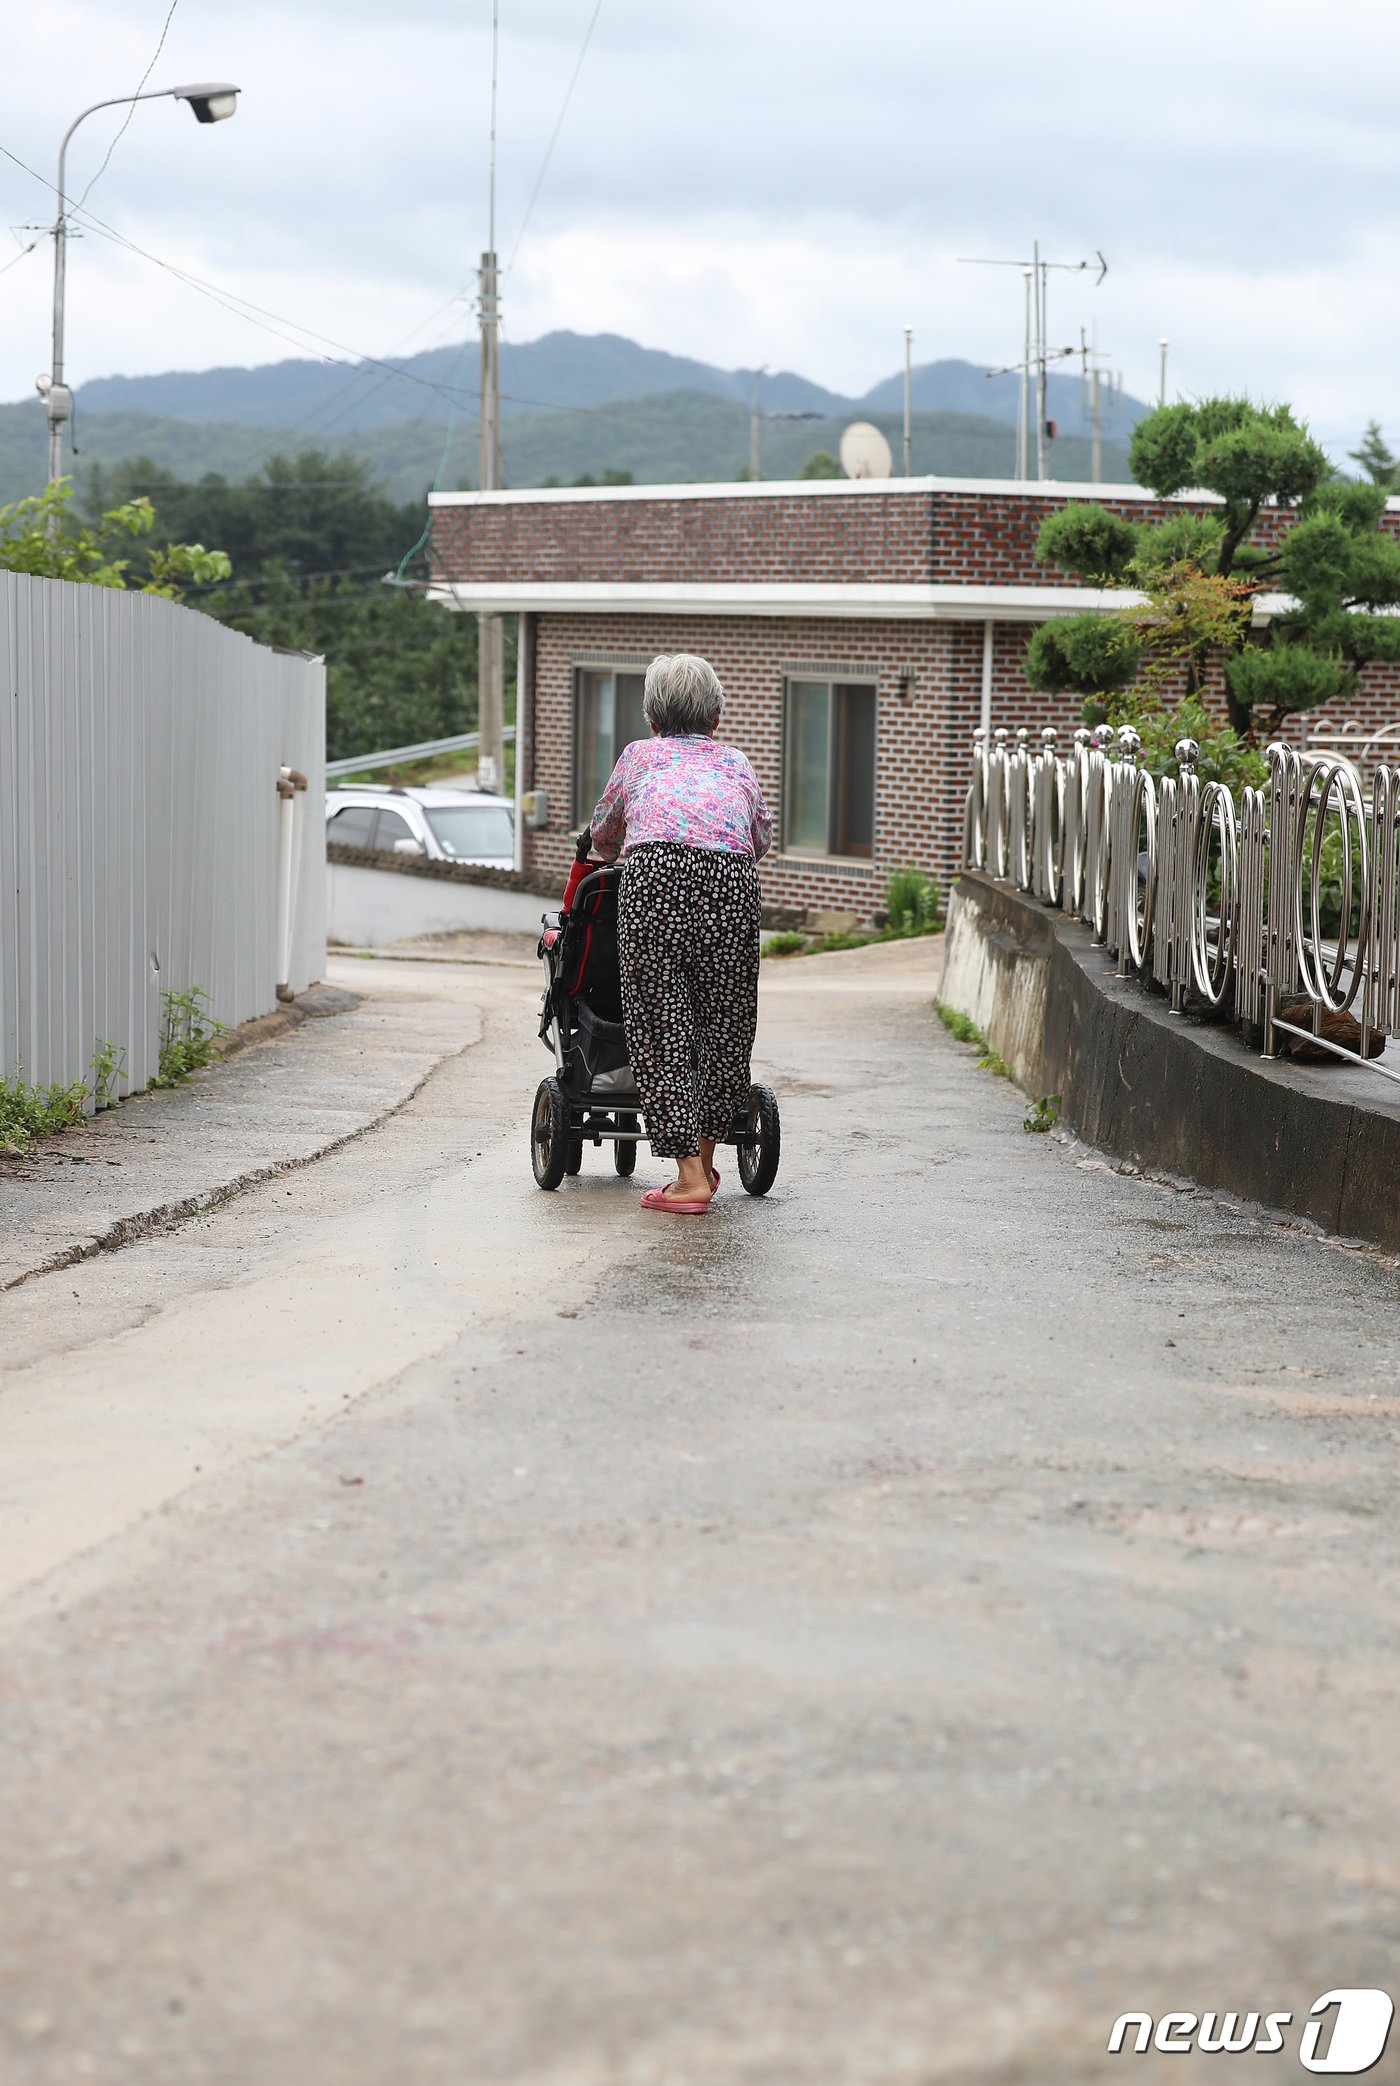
x: 776, y: 181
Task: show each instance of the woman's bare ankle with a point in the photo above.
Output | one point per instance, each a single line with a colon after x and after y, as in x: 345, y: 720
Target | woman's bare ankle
x: 693, y: 1183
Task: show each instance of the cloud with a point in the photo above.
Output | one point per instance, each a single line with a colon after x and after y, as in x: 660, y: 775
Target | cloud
x: 788, y: 183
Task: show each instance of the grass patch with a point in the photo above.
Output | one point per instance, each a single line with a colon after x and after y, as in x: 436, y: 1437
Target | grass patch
x: 31, y: 1112
x: 788, y: 943
x: 187, y: 1033
x: 960, y: 1026
x: 964, y: 1030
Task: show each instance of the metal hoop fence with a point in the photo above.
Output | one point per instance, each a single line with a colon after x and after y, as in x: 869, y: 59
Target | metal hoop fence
x: 1289, y: 898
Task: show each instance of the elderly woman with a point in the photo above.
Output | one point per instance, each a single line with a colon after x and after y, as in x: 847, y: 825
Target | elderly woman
x: 687, y: 816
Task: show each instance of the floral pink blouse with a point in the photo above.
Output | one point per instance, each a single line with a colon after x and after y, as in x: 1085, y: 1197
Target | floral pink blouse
x: 688, y: 789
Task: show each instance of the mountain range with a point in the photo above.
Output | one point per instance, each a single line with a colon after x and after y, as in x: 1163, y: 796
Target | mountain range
x: 560, y: 372
x: 571, y: 404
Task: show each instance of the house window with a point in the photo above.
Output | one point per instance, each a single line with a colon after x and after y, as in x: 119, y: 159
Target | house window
x: 607, y: 716
x: 830, y: 807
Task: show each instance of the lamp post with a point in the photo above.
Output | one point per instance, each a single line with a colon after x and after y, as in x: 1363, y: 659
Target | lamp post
x: 211, y: 103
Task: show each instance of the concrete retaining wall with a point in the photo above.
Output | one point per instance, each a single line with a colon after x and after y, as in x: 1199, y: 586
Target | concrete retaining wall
x: 1166, y: 1091
x: 369, y: 907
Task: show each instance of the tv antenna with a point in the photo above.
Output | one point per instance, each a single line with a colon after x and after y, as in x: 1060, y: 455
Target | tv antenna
x: 1098, y: 387
x: 1038, y: 354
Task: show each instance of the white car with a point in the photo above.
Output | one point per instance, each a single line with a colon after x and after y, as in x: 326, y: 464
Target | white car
x: 447, y: 825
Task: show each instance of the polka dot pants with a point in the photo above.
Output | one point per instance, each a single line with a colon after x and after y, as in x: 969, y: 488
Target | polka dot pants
x: 687, y: 933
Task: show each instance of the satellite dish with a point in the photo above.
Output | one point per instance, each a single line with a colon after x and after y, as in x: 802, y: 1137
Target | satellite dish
x: 864, y: 452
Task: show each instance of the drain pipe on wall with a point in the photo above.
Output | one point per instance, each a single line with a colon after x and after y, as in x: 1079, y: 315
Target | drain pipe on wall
x: 988, y: 653
x: 291, y: 793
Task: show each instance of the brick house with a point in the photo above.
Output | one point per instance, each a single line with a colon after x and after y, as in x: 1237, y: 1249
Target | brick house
x: 862, y: 629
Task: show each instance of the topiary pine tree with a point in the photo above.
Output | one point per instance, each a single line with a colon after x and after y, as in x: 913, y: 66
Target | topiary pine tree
x: 1375, y: 458
x: 1200, y: 574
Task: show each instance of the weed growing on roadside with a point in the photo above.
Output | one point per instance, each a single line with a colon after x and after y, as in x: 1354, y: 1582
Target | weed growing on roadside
x: 187, y: 1033
x: 1041, y: 1114
x: 105, y: 1070
x: 788, y: 943
x: 965, y: 1030
x: 28, y: 1112
x: 959, y: 1026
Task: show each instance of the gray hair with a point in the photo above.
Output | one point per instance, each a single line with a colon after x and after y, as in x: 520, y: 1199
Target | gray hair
x: 682, y: 694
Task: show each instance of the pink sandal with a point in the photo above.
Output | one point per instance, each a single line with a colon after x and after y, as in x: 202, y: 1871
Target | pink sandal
x: 658, y: 1199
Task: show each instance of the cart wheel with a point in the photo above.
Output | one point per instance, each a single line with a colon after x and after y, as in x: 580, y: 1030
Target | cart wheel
x: 549, y: 1134
x: 625, y: 1155
x: 575, y: 1154
x: 758, y: 1162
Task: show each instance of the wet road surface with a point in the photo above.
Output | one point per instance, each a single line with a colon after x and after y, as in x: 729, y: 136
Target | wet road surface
x: 456, y: 1634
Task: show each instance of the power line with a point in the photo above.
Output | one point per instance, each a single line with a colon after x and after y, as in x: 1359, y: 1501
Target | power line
x: 241, y: 307
x: 257, y: 315
x: 554, y: 135
x: 131, y: 111
x: 17, y: 258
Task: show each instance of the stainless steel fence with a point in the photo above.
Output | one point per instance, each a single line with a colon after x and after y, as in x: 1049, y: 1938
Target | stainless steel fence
x: 1281, y: 912
x: 143, y: 844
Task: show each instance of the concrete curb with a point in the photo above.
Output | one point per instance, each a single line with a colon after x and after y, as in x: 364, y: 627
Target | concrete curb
x: 1170, y: 1093
x: 317, y: 1003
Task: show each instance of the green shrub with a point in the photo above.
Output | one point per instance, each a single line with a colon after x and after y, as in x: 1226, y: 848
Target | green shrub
x: 788, y: 943
x: 28, y: 1112
x: 1223, y: 756
x: 912, y: 903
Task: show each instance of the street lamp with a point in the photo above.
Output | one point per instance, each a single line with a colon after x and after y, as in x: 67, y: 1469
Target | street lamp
x: 211, y: 102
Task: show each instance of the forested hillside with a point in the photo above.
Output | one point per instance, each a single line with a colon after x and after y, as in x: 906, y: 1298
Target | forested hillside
x: 312, y: 539
x: 664, y: 438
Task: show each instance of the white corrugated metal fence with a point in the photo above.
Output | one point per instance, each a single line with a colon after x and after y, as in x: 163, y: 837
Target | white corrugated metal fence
x: 140, y: 749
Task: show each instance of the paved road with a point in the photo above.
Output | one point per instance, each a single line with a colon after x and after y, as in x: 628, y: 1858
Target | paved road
x: 452, y: 1634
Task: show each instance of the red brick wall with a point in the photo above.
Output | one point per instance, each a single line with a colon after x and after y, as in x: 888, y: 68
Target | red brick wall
x: 880, y: 537
x: 982, y: 537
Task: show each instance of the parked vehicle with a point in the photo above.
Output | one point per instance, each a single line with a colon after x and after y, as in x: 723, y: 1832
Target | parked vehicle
x: 446, y: 825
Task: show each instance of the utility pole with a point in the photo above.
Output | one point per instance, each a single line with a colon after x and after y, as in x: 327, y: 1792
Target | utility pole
x: 1092, y: 383
x: 908, y: 345
x: 1023, y: 419
x: 1162, y: 384
x: 756, y: 430
x: 490, y: 659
